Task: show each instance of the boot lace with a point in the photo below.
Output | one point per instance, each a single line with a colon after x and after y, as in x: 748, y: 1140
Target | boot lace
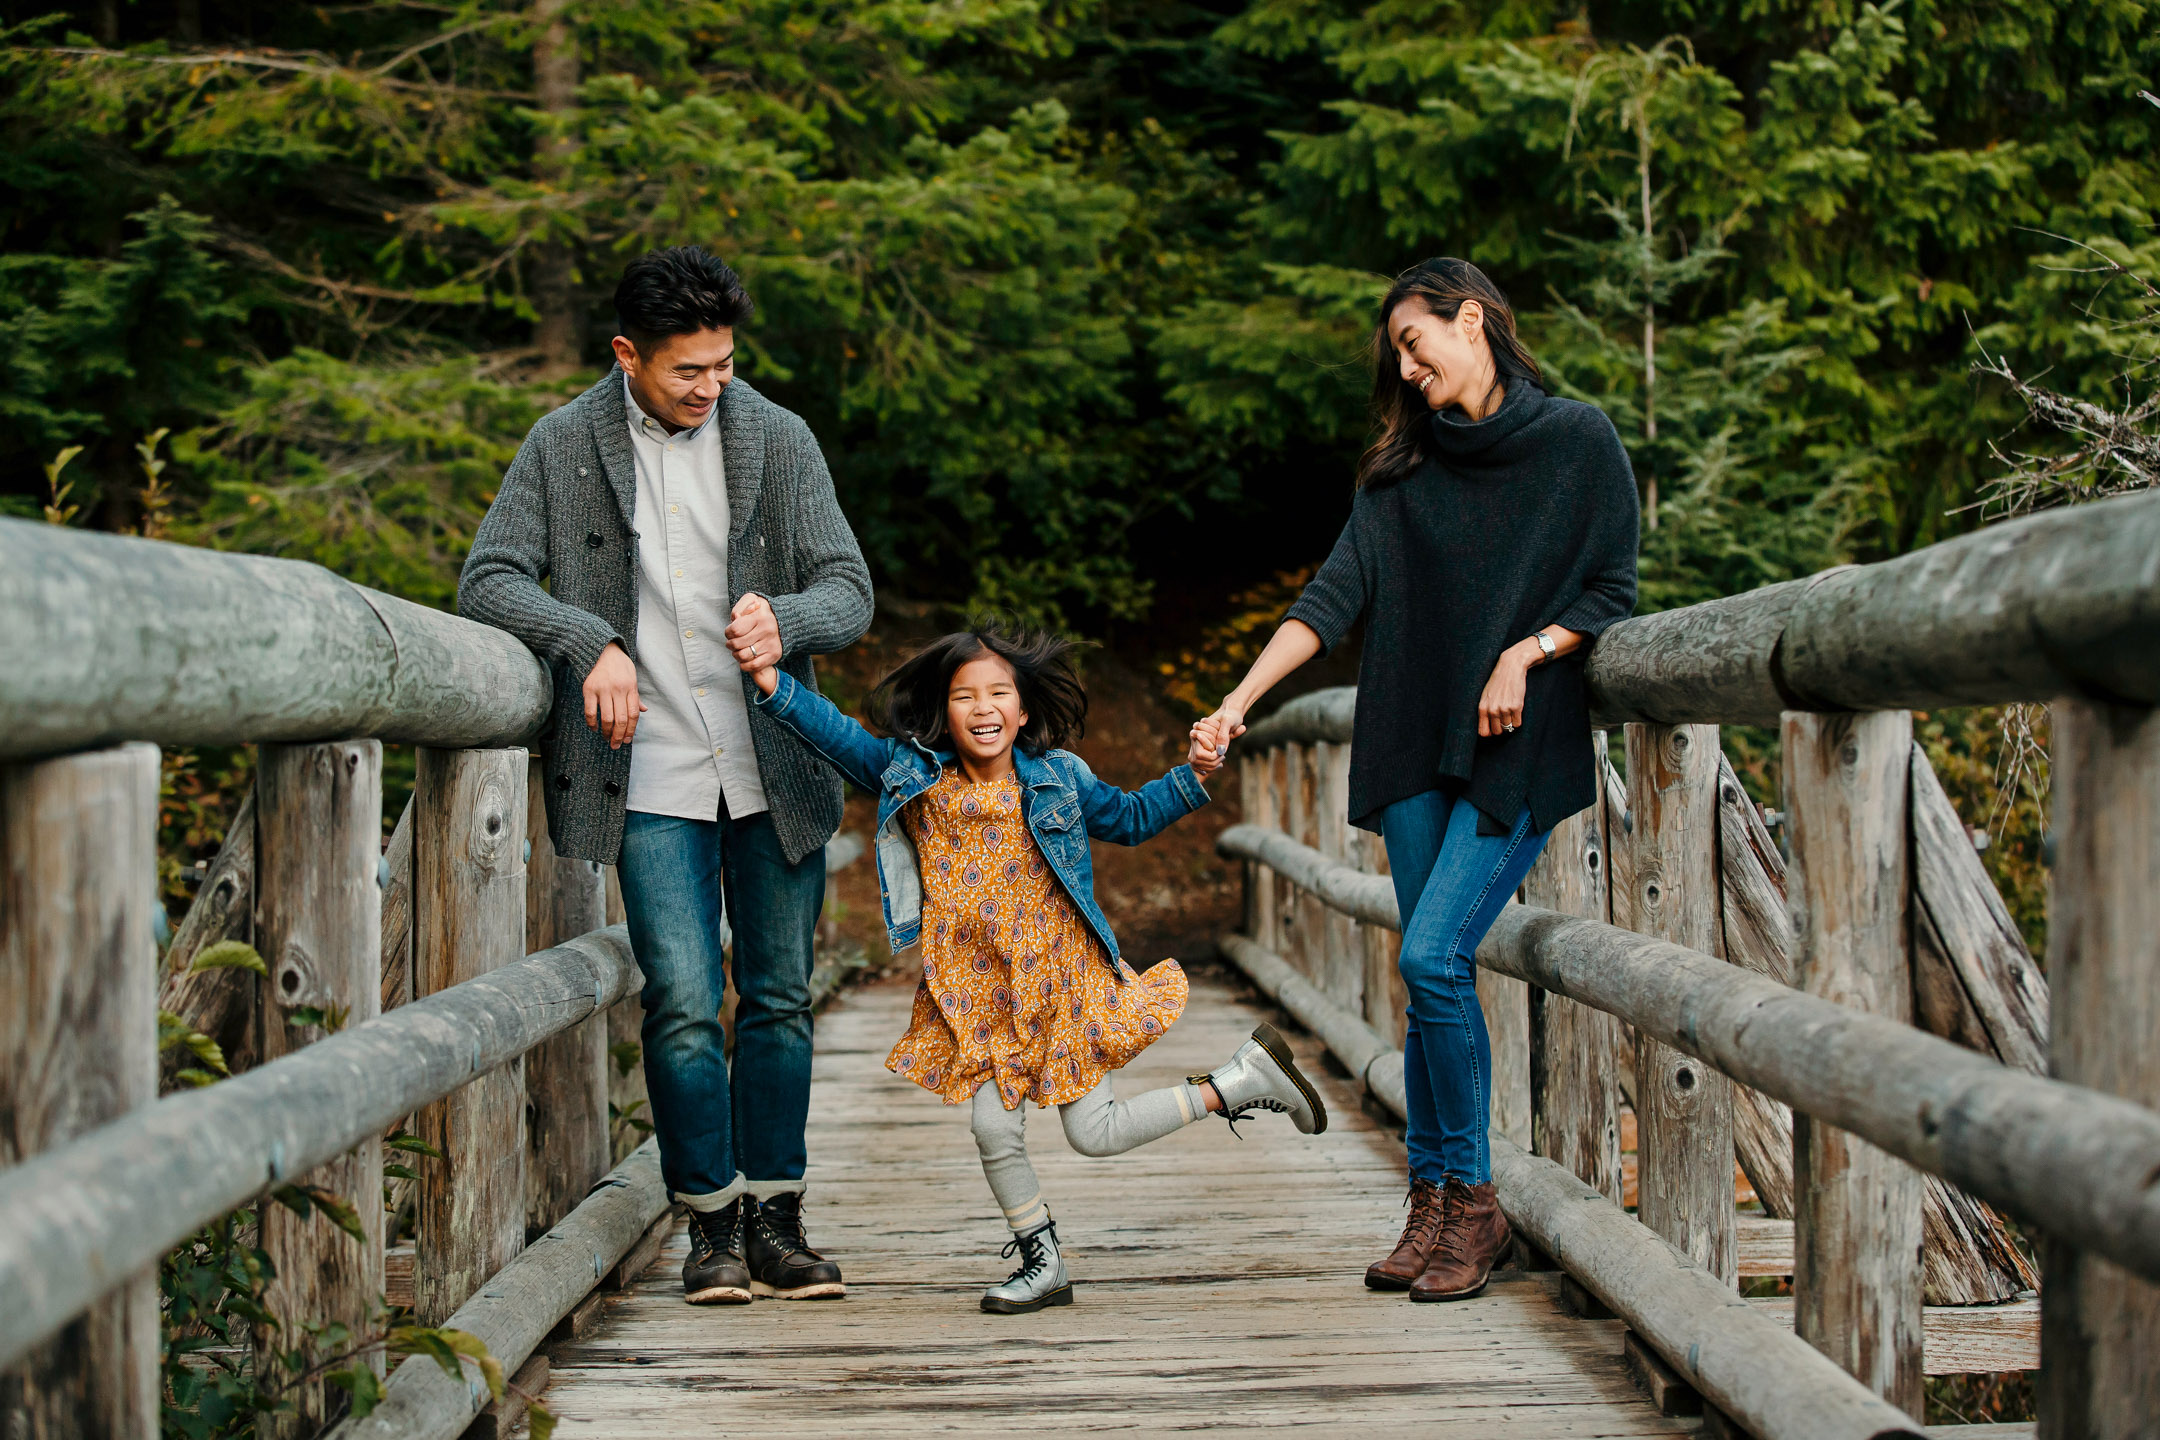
x: 717, y: 1232
x: 1034, y: 1254
x: 1428, y: 1216
x: 1235, y: 1113
x: 1453, y: 1241
x: 783, y: 1224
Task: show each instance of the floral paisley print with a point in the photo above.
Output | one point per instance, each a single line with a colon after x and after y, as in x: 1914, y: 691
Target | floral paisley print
x: 1016, y: 990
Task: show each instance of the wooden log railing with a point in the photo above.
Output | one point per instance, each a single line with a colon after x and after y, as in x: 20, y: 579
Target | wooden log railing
x: 1667, y: 909
x: 495, y: 978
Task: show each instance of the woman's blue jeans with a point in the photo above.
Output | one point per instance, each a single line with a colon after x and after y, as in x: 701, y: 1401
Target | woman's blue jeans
x: 717, y: 1139
x: 1450, y: 883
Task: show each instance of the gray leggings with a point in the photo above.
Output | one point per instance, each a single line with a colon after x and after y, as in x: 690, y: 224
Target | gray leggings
x: 1095, y: 1124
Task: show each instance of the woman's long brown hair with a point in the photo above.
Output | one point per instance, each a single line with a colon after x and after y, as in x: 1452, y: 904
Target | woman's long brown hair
x: 1402, y: 425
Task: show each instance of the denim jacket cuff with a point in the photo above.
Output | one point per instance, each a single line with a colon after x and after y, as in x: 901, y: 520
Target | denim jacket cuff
x: 782, y: 698
x: 1189, y: 788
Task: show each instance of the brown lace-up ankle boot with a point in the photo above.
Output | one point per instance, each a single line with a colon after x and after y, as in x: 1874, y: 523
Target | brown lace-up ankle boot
x: 1401, y: 1268
x: 1471, y: 1238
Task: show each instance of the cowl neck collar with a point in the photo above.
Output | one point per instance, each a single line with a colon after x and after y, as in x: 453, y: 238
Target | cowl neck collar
x: 1463, y: 441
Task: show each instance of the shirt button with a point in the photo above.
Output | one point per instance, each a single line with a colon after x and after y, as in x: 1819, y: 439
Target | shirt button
x: 671, y: 509
x: 701, y: 692
x: 678, y: 574
x: 689, y: 634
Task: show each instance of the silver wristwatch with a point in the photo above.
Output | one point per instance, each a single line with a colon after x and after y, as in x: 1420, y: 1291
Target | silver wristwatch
x: 1545, y: 643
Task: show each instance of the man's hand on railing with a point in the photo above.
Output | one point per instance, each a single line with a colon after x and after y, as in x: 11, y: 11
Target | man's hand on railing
x: 611, y: 700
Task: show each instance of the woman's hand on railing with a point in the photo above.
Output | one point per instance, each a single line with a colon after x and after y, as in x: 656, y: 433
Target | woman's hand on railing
x: 1500, y: 708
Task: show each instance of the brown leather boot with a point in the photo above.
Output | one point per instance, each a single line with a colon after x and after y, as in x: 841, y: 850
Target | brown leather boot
x: 1411, y: 1252
x: 1471, y: 1238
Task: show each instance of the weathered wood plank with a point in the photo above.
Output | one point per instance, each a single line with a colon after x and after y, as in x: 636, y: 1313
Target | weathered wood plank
x: 220, y: 1003
x: 397, y: 913
x: 566, y: 1077
x: 1683, y: 1109
x: 105, y: 641
x: 318, y: 816
x: 1967, y: 1258
x: 903, y: 1205
x: 1856, y: 1277
x: 1574, y: 1087
x: 2101, y: 1325
x: 2069, y: 1156
x: 2015, y: 1136
x: 469, y: 919
x: 625, y: 1021
x: 1758, y: 936
x: 78, y: 1049
x: 82, y: 1218
x: 1991, y: 976
x: 1962, y: 1339
x: 521, y: 1304
x: 2055, y: 604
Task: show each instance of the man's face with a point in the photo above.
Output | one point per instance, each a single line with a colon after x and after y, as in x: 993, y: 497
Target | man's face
x: 680, y: 382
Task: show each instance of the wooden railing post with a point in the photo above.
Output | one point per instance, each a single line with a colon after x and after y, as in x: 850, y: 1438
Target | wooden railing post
x: 468, y: 919
x: 2100, y: 1325
x: 625, y: 1026
x: 78, y: 1047
x: 566, y: 1080
x: 1575, y: 1094
x: 1683, y: 1108
x: 1857, y: 1233
x: 318, y: 924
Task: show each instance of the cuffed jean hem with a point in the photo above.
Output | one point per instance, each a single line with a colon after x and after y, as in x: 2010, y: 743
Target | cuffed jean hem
x: 766, y: 1189
x: 719, y: 1199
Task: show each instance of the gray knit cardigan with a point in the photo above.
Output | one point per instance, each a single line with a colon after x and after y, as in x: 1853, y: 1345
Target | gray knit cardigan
x: 566, y: 514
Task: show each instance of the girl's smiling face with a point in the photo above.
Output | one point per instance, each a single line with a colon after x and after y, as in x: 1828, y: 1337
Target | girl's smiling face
x: 983, y: 713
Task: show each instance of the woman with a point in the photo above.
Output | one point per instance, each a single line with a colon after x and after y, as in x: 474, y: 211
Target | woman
x: 1492, y: 540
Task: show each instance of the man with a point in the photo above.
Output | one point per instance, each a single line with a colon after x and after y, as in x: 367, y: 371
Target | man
x: 686, y: 523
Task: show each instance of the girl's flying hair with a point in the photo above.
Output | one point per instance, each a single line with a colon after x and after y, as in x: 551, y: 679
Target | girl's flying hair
x: 909, y: 703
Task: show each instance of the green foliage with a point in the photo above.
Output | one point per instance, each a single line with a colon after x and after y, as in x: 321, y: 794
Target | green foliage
x: 230, y: 955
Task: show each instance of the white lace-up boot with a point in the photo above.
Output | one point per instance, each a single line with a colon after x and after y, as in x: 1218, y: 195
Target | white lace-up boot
x: 1041, y: 1279
x: 1262, y: 1075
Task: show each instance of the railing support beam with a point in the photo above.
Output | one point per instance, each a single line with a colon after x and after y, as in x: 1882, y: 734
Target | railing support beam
x: 1856, y: 1279
x: 78, y: 1048
x: 318, y: 819
x: 2100, y: 1325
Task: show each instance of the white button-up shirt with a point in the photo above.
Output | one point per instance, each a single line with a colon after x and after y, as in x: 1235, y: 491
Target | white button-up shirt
x: 693, y: 741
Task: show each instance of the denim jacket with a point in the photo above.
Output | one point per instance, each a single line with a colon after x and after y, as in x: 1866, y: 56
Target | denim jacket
x: 1062, y: 801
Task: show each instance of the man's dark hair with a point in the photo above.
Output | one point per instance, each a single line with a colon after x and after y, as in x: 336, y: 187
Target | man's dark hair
x: 910, y: 702
x: 678, y: 291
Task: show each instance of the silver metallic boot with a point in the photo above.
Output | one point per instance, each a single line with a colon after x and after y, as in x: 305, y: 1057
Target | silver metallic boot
x: 1262, y: 1075
x: 1041, y: 1279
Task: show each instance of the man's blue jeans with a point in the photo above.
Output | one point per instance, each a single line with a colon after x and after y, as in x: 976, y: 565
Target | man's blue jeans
x: 1450, y: 883
x: 675, y: 874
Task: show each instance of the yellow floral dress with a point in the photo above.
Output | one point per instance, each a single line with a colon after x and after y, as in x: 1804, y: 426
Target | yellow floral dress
x: 1016, y: 989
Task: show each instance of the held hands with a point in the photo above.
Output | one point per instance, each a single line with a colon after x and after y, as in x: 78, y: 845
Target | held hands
x: 1204, y: 753
x: 612, y: 706
x: 753, y: 637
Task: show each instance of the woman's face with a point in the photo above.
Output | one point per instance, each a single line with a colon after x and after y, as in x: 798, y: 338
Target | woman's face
x: 1446, y: 361
x: 983, y: 713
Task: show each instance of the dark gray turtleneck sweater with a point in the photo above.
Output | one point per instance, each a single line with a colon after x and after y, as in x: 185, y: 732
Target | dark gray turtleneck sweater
x: 1524, y: 519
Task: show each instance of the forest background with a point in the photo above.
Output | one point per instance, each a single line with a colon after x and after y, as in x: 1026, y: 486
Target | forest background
x: 1074, y: 292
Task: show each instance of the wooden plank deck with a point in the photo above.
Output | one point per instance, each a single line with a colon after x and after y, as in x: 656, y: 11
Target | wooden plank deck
x: 1217, y: 1284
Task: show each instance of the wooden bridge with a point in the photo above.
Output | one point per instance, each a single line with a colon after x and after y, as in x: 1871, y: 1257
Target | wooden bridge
x: 1843, y: 1009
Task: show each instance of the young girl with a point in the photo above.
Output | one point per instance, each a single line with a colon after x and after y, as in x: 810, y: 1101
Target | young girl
x: 982, y: 845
